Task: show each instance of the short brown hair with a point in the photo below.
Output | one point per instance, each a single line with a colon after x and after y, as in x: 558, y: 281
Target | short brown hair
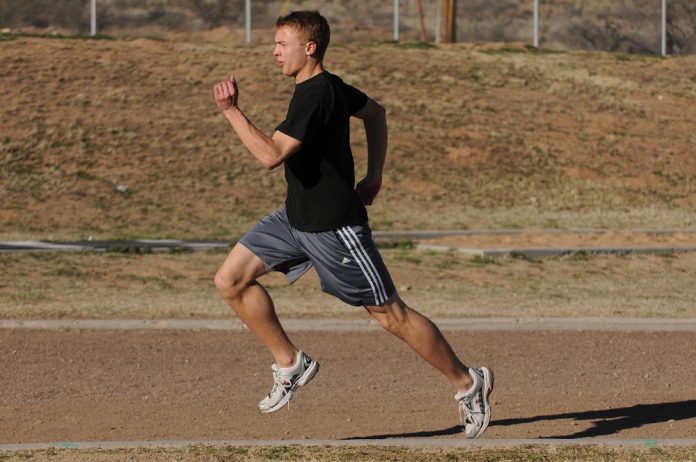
x: 311, y: 27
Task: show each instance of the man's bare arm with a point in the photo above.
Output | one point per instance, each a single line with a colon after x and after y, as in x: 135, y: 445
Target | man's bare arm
x: 269, y: 151
x: 375, y: 120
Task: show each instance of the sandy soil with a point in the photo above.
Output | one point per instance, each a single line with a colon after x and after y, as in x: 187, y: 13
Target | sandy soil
x: 104, y: 385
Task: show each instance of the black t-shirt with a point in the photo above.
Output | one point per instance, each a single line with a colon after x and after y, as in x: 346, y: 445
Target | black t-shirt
x: 321, y: 175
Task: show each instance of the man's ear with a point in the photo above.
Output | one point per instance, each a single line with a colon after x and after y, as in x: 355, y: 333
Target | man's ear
x: 310, y: 48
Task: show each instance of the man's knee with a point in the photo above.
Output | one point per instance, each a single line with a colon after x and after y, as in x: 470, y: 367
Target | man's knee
x: 230, y: 284
x: 392, y: 316
x: 239, y: 271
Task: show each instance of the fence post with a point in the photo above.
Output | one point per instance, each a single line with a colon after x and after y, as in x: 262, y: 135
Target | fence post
x: 93, y: 17
x: 536, y: 24
x: 664, y: 27
x: 438, y: 22
x: 396, y: 20
x: 247, y: 20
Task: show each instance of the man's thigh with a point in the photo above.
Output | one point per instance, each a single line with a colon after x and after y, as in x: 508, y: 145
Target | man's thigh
x: 349, y: 265
x: 241, y: 265
x: 273, y: 241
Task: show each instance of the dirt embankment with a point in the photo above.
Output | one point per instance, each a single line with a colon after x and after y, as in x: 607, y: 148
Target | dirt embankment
x: 122, y: 138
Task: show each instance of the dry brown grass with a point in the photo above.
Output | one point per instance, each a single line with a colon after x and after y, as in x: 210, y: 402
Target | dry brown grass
x: 366, y: 453
x: 440, y: 284
x: 480, y: 137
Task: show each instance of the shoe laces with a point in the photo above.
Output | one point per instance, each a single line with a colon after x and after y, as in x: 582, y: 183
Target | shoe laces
x: 278, y: 380
x: 466, y: 414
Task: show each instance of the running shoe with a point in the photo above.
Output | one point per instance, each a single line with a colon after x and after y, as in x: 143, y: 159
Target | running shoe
x: 474, y: 405
x: 287, y: 380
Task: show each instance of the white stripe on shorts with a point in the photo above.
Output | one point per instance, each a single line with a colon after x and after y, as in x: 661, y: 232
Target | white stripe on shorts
x: 352, y: 242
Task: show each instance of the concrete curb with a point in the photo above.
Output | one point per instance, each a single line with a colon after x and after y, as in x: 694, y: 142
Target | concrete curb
x: 543, y: 252
x: 168, y: 245
x: 388, y: 442
x: 141, y: 245
x: 341, y: 325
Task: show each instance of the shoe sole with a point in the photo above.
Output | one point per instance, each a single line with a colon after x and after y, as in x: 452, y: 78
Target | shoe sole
x: 308, y: 375
x: 488, y: 380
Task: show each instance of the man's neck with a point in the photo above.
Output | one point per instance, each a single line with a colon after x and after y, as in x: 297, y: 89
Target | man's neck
x: 312, y: 69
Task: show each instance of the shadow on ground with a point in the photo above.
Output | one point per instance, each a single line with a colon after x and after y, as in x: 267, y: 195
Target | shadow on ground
x: 610, y: 421
x: 604, y: 422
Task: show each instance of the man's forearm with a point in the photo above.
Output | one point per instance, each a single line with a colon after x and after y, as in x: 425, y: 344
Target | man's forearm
x: 377, y: 137
x: 258, y: 143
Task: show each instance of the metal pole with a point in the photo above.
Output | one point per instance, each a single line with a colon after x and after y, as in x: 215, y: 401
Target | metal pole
x: 396, y: 20
x: 664, y: 27
x: 536, y: 23
x: 438, y: 21
x: 247, y: 20
x: 93, y: 17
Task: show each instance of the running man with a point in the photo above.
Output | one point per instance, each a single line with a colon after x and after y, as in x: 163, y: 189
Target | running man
x: 324, y: 222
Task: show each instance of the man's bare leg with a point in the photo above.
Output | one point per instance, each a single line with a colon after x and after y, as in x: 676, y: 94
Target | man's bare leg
x: 424, y: 337
x: 236, y: 281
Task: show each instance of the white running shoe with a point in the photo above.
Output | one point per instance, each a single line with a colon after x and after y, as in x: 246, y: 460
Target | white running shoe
x: 474, y: 405
x: 287, y: 380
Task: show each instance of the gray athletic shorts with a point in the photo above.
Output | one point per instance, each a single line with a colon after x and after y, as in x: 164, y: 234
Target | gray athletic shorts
x: 346, y: 259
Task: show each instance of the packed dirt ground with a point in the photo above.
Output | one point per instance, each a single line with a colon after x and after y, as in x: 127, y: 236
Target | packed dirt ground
x: 147, y: 385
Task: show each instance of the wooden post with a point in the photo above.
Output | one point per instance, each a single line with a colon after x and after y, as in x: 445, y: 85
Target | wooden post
x: 421, y: 21
x: 450, y: 20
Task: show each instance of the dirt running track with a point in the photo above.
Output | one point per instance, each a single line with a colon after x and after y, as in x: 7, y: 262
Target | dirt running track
x: 144, y: 385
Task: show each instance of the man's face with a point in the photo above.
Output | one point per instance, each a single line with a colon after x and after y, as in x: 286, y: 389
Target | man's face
x: 290, y: 52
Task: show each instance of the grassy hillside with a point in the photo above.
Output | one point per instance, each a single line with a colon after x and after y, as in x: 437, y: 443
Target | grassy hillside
x: 122, y: 138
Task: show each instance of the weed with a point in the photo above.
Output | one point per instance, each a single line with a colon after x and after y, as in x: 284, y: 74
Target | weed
x: 524, y: 257
x: 400, y: 244
x: 547, y: 51
x: 131, y: 249
x: 580, y: 255
x: 84, y: 175
x: 507, y: 50
x: 479, y: 260
x: 236, y: 450
x: 278, y: 453
x: 447, y: 263
x: 68, y: 271
x: 416, y: 45
x: 408, y: 258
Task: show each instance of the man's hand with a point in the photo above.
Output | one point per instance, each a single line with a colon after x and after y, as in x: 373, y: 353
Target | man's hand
x: 368, y: 188
x: 226, y: 94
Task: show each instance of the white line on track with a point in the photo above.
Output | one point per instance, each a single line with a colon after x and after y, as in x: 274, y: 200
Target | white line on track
x: 389, y: 442
x: 339, y: 325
